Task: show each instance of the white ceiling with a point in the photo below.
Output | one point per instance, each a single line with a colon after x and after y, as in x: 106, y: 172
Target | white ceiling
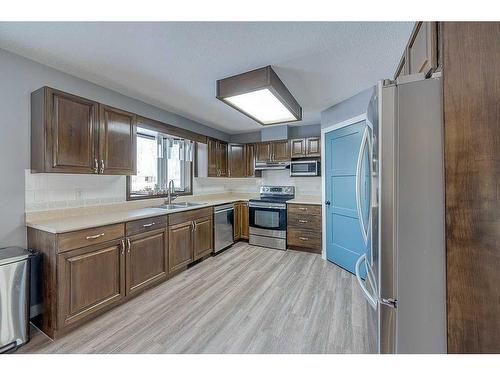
x: 175, y: 65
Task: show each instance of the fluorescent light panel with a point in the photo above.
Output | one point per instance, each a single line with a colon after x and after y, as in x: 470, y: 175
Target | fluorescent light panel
x: 262, y: 105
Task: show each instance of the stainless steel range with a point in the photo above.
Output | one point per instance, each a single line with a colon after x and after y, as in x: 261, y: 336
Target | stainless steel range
x: 267, y: 216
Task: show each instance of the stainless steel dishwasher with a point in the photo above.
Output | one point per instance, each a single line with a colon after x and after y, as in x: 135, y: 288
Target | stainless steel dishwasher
x: 224, y: 219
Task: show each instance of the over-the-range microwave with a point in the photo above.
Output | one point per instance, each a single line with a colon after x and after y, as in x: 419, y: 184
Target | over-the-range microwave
x: 311, y: 167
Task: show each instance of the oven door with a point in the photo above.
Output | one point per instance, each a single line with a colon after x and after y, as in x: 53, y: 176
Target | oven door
x: 304, y: 168
x: 267, y: 216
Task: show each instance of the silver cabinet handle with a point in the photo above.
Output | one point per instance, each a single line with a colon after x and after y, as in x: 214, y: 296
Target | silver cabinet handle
x: 94, y: 236
x: 195, y: 226
x: 102, y: 166
x: 192, y: 226
x: 302, y: 208
x: 303, y: 238
x: 96, y: 166
x: 302, y: 221
x: 128, y: 245
x: 123, y: 246
x: 148, y: 225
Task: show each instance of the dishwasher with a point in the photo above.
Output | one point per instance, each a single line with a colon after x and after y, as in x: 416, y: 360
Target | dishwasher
x: 223, y: 219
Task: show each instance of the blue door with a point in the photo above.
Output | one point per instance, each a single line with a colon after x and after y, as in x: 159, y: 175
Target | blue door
x: 348, y: 189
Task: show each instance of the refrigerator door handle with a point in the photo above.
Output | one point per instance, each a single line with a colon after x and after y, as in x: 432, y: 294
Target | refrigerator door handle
x: 372, y: 300
x: 365, y: 143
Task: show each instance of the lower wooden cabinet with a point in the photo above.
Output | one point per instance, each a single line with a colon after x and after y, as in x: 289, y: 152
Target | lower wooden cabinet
x: 241, y: 221
x: 203, y: 237
x: 90, y: 279
x: 146, y: 260
x: 180, y: 246
x: 304, y: 227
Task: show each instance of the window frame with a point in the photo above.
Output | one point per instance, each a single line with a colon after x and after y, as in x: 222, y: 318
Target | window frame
x: 131, y: 197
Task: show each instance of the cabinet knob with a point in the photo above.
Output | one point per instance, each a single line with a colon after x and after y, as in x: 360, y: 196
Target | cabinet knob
x: 303, y: 238
x: 102, y: 166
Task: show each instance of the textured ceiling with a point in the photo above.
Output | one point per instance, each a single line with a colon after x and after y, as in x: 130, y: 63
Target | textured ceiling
x: 175, y: 65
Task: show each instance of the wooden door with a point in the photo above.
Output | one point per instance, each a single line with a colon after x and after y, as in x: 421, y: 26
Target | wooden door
x: 250, y: 160
x: 298, y: 148
x: 117, y: 142
x: 313, y: 146
x: 237, y: 162
x: 180, y: 245
x: 90, y: 279
x: 280, y: 150
x: 146, y: 261
x: 263, y: 152
x: 237, y: 221
x: 222, y: 159
x: 244, y: 221
x: 203, y: 243
x: 71, y: 135
x: 213, y: 165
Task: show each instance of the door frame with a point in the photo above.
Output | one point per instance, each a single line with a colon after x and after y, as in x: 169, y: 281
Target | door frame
x: 324, y: 131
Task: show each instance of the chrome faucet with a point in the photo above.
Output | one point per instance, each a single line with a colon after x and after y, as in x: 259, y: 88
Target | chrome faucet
x: 170, y: 192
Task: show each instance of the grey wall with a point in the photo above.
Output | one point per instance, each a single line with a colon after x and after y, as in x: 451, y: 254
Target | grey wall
x: 354, y: 106
x: 18, y: 78
x: 300, y: 131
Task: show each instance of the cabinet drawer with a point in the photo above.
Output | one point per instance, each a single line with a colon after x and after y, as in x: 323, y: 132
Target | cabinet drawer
x: 184, y: 216
x: 92, y: 236
x: 304, y: 238
x: 144, y: 225
x: 304, y: 209
x: 304, y: 221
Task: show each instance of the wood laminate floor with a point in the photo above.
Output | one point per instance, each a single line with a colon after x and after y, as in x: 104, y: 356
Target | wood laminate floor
x: 246, y: 300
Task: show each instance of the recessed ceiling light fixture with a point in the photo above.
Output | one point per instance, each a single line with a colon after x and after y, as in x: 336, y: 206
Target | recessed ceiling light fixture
x: 260, y: 95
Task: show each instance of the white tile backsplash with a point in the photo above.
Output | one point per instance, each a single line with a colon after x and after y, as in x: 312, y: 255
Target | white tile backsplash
x: 46, y: 191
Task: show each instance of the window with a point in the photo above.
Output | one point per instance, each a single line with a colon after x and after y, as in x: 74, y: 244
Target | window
x: 161, y: 158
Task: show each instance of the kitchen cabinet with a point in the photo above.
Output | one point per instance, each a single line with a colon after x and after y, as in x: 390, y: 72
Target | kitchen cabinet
x: 241, y: 221
x: 304, y: 227
x: 305, y: 147
x: 190, y: 237
x: 146, y: 260
x: 91, y: 279
x: 117, y: 141
x: 273, y: 151
x: 237, y: 162
x: 217, y: 158
x: 250, y: 161
x: 421, y: 54
x: 71, y: 134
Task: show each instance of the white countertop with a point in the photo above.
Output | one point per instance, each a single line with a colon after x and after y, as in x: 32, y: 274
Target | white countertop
x: 85, y: 220
x: 306, y: 199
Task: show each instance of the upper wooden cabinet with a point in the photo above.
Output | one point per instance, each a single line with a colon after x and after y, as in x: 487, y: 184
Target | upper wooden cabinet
x: 70, y: 134
x: 117, y: 139
x: 305, y: 147
x: 422, y: 51
x: 217, y: 158
x: 237, y: 163
x: 273, y: 151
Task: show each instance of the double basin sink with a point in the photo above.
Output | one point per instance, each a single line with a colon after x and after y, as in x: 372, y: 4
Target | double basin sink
x: 175, y: 206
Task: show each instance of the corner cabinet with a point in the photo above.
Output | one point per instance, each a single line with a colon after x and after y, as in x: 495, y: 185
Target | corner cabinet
x: 70, y: 134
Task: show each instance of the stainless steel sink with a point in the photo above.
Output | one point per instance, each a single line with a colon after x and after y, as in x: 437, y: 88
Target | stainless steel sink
x: 174, y: 206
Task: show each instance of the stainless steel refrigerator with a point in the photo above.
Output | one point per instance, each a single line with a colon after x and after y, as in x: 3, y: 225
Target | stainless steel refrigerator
x: 405, y: 283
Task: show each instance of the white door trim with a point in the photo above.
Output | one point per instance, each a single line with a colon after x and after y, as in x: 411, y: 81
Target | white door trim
x: 324, y: 131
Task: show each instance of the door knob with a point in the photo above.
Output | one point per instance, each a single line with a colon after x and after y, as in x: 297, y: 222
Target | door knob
x: 327, y: 203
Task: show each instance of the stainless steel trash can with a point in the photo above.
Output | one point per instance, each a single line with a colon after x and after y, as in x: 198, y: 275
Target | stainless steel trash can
x: 14, y: 297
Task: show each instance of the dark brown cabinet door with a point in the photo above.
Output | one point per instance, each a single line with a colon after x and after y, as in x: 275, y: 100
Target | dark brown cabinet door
x: 117, y: 141
x: 90, y: 280
x: 280, y: 150
x: 146, y: 260
x: 213, y: 166
x: 250, y: 160
x: 237, y: 162
x: 244, y: 220
x: 297, y: 148
x: 202, y: 237
x: 71, y: 136
x: 313, y: 146
x: 180, y: 246
x: 237, y: 221
x: 263, y: 152
x: 222, y: 159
